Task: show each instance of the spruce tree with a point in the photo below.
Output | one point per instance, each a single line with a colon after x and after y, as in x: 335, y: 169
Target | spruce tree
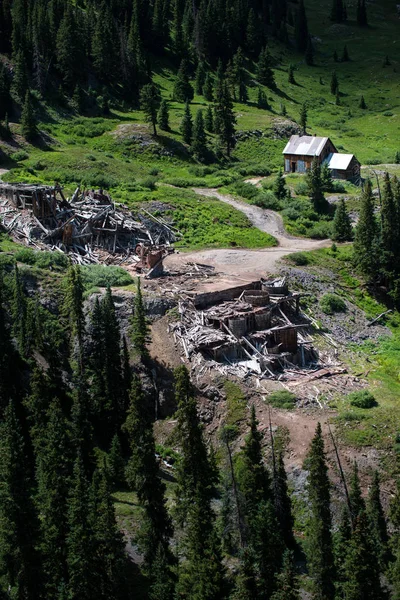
x: 20, y: 79
x: 366, y: 239
x: 309, y: 54
x: 262, y: 101
x: 20, y: 560
x: 104, y: 44
x: 287, y: 581
x: 362, y: 104
x: 390, y: 229
x: 283, y: 504
x: 314, y: 184
x: 140, y: 329
x: 357, y: 503
x: 224, y: 121
x: 362, y: 18
x: 149, y: 103
x: 345, y: 55
x: 116, y: 464
x: 208, y: 88
x: 342, y: 229
x: 279, y: 187
x: 163, y: 116
x: 319, y: 537
x: 326, y: 178
x: 73, y: 311
x: 335, y: 56
x: 209, y: 119
x: 28, y: 121
x: 377, y: 522
x: 362, y: 566
x: 341, y: 545
x: 334, y: 83
x: 246, y: 587
x: 301, y: 28
x: 199, y: 142
x: 254, y: 34
x: 183, y: 91
x: 5, y: 96
x: 303, y: 117
x: 265, y: 75
x: 291, y: 78
x: 186, y: 126
x: 19, y: 313
x: 68, y: 48
x: 200, y: 78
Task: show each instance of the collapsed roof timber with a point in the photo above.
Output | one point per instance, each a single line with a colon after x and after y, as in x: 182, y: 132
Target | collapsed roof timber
x: 261, y: 331
x: 84, y: 226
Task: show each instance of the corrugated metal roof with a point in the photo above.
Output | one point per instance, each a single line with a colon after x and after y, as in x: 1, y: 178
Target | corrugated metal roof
x: 307, y: 145
x: 339, y: 161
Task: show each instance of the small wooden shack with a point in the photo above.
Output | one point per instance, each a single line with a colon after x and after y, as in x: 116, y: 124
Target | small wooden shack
x: 301, y: 150
x: 344, y: 166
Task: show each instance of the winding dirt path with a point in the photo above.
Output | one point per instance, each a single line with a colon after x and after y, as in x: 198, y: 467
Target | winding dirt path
x: 248, y: 265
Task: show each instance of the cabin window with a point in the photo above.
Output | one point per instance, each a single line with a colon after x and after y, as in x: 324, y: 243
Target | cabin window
x: 301, y: 166
x: 287, y: 165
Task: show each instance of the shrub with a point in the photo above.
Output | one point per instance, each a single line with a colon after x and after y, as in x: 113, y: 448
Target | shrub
x: 301, y: 189
x: 300, y: 259
x: 282, y: 399
x: 320, y: 231
x: 149, y: 183
x: 338, y: 187
x: 362, y: 399
x: 90, y: 157
x: 154, y: 172
x: 41, y: 259
x: 247, y: 190
x: 102, y: 275
x: 331, y: 303
x: 267, y: 199
x: 20, y: 155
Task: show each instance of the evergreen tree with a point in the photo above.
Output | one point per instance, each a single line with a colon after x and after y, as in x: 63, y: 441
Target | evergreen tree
x: 254, y: 34
x: 377, y: 522
x: 334, y: 83
x: 345, y: 55
x: 337, y: 11
x: 20, y: 561
x: 20, y: 79
x: 142, y: 475
x: 357, y: 503
x: 19, y: 313
x: 362, y: 18
x: 319, y: 537
x: 362, y: 566
x: 326, y: 177
x: 309, y: 55
x: 186, y: 126
x: 140, y: 329
x: 366, y: 241
x: 5, y: 96
x: 73, y: 309
x: 362, y: 104
x: 224, y: 121
x: 28, y: 122
x: 262, y: 101
x: 112, y: 362
x: 268, y: 547
x: 200, y: 78
x: 287, y: 580
x: 390, y: 229
x: 314, y: 183
x: 150, y: 102
x: 337, y: 99
x: 335, y: 56
x: 68, y: 48
x: 239, y: 75
x: 283, y: 504
x: 199, y: 143
x: 183, y: 91
x: 291, y: 78
x: 301, y: 28
x: 279, y: 187
x: 104, y: 44
x: 208, y: 88
x: 116, y: 464
x: 265, y: 75
x: 303, y: 117
x: 209, y: 119
x: 341, y: 545
x: 246, y: 587
x: 342, y: 229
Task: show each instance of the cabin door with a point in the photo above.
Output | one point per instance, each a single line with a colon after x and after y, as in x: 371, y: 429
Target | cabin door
x: 293, y: 167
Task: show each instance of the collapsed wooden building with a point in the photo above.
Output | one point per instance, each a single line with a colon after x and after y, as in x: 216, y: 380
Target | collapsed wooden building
x: 88, y: 223
x: 262, y: 331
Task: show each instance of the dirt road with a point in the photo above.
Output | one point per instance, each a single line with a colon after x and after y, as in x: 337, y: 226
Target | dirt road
x: 248, y: 264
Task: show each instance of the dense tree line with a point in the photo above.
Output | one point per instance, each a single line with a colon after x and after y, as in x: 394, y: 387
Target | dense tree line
x: 77, y: 426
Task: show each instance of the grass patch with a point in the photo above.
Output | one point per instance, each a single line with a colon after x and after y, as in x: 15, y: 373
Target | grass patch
x: 282, y: 399
x: 101, y: 276
x: 236, y: 403
x: 331, y: 303
x: 362, y: 399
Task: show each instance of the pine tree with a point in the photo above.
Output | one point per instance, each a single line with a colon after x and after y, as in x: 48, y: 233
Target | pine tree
x: 20, y: 561
x: 20, y: 80
x: 303, y: 117
x: 112, y: 363
x: 149, y: 103
x: 239, y: 75
x: 104, y: 44
x: 283, y: 504
x: 5, y: 96
x: 19, y: 313
x: 265, y: 75
x: 142, y: 475
x: 200, y: 78
x: 140, y: 329
x: 337, y: 12
x: 73, y: 309
x: 279, y: 187
x: 246, y: 587
x: 208, y: 88
x: 335, y: 56
x: 377, y: 522
x: 268, y: 547
x: 362, y: 104
x: 186, y: 126
x: 309, y: 55
x: 356, y: 500
x: 28, y: 122
x: 342, y: 229
x: 362, y: 18
x: 116, y: 464
x: 341, y: 545
x: 262, y: 101
x: 291, y: 78
x: 209, y: 119
x: 68, y: 48
x: 319, y: 537
x: 314, y: 183
x: 337, y: 98
x: 361, y: 566
x: 326, y: 178
x: 301, y: 28
x: 334, y: 83
x: 224, y: 121
x: 183, y: 91
x: 345, y: 55
x: 287, y: 581
x: 254, y: 34
x: 366, y: 240
x: 390, y: 229
x: 199, y: 143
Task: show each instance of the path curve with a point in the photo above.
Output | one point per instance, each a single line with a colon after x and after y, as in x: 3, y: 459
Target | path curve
x: 267, y: 221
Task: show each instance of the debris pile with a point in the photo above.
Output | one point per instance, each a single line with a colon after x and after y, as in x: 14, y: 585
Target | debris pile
x: 259, y: 333
x: 89, y: 226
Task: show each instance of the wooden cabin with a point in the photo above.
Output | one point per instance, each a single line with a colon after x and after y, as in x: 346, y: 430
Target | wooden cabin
x: 344, y: 166
x: 301, y: 150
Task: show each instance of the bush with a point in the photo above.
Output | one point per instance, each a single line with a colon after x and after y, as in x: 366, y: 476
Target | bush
x: 149, y: 183
x: 20, y: 155
x: 362, y: 399
x: 102, y: 275
x: 320, y: 231
x: 282, y: 399
x: 41, y: 259
x: 301, y: 189
x: 246, y: 190
x: 331, y: 303
x: 339, y: 187
x: 300, y: 259
x: 267, y: 199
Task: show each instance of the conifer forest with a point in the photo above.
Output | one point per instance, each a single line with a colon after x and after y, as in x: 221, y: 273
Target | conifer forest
x: 199, y: 300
